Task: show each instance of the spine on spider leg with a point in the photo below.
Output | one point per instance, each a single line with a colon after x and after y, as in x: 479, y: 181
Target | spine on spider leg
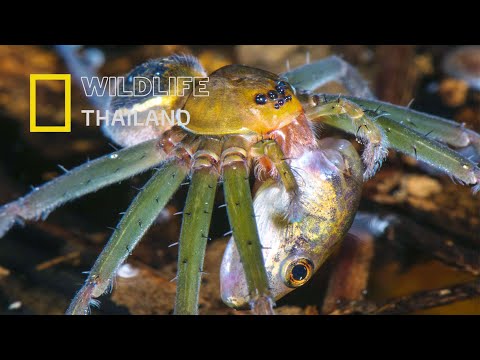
x: 431, y: 152
x: 350, y: 117
x: 437, y: 128
x: 81, y: 180
x: 139, y: 217
x: 197, y: 215
x: 243, y: 223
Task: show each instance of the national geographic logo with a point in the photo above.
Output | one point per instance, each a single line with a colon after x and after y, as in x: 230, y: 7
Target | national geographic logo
x: 33, y: 102
x: 151, y: 91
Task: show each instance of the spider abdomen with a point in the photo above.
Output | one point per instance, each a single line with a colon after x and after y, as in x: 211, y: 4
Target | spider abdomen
x: 139, y: 112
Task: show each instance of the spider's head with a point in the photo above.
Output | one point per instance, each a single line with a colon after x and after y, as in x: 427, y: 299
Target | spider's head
x: 235, y: 99
x: 242, y: 100
x: 330, y: 182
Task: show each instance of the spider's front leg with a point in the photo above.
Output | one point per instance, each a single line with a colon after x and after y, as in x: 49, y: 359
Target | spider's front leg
x: 434, y: 127
x: 197, y: 215
x: 391, y: 132
x: 139, y: 217
x: 243, y: 223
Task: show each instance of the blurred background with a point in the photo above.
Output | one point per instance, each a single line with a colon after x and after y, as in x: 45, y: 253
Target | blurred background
x: 41, y: 264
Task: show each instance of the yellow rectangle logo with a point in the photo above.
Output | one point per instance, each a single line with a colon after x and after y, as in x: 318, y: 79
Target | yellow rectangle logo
x: 33, y: 103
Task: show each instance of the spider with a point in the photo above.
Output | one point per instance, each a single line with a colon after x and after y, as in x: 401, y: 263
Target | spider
x: 253, y: 124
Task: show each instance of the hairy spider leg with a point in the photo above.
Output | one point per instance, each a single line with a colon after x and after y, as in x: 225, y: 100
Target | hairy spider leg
x: 197, y: 215
x: 446, y: 131
x: 242, y: 219
x: 311, y: 76
x: 140, y: 215
x: 84, y: 66
x: 435, y: 127
x: 194, y: 233
x: 82, y: 180
x: 352, y: 116
x: 409, y: 141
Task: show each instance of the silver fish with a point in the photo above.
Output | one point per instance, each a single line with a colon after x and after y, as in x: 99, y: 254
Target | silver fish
x: 330, y: 187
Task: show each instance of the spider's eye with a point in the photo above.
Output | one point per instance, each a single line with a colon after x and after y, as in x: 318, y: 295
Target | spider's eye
x: 261, y: 99
x: 298, y: 272
x: 272, y: 94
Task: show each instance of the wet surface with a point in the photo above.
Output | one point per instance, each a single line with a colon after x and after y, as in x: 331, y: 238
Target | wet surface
x: 41, y: 264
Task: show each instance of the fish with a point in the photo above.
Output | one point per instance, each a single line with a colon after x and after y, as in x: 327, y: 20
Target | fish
x: 330, y: 181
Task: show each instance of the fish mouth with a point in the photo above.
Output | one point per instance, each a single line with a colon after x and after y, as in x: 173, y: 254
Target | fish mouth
x: 233, y: 285
x: 236, y: 302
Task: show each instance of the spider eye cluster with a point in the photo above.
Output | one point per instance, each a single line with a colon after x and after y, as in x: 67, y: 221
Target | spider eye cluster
x: 298, y: 272
x: 278, y: 95
x: 242, y: 100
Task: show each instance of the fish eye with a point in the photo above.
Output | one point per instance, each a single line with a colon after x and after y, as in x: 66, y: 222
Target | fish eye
x: 298, y: 272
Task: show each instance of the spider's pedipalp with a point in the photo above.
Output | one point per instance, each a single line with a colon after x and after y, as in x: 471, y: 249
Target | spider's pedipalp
x: 345, y: 114
x: 82, y: 180
x: 139, y: 217
x: 273, y: 152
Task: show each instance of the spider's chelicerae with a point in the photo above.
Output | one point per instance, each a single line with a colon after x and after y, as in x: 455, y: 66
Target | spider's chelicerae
x: 253, y: 124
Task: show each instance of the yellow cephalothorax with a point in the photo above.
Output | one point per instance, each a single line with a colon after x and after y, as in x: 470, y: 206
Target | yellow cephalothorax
x: 242, y: 100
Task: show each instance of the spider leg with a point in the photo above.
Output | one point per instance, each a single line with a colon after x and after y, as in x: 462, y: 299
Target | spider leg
x: 197, y: 215
x: 311, y: 76
x: 244, y: 227
x: 84, y: 66
x: 139, y: 217
x: 395, y: 135
x: 84, y: 179
x: 345, y: 114
x: 437, y: 128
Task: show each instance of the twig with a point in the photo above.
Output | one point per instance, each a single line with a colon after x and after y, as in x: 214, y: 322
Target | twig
x: 397, y: 75
x: 349, y: 277
x: 442, y: 247
x: 414, y: 302
x: 57, y: 260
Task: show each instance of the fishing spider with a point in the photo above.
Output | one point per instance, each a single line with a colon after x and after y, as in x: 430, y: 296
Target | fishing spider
x: 253, y: 123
